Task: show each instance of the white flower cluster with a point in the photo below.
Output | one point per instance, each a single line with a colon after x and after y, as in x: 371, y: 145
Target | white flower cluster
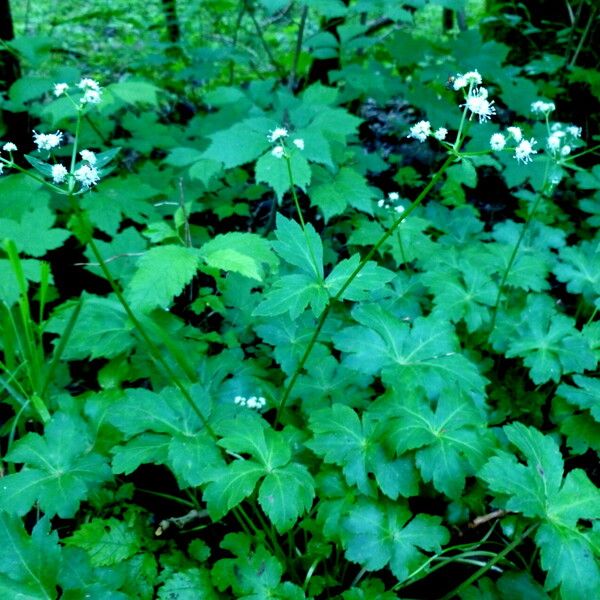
x: 477, y: 102
x: 47, y: 141
x: 542, y: 108
x: 524, y: 148
x: 393, y: 197
x: 277, y: 136
x: 561, y: 139
x: 255, y: 402
x: 92, y: 93
x: 471, y: 78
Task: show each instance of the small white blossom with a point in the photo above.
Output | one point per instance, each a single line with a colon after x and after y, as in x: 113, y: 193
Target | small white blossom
x: 459, y: 82
x: 399, y: 209
x: 88, y: 156
x: 47, y: 141
x: 278, y: 151
x: 252, y: 402
x: 554, y: 140
x: 479, y: 105
x: 381, y: 203
x: 473, y: 77
x: 9, y: 147
x: 277, y: 133
x: 59, y: 173
x: 89, y: 84
x: 87, y: 175
x: 565, y: 150
x: 497, y: 141
x: 440, y: 134
x: 420, y: 131
x: 524, y: 150
x: 539, y: 106
x: 574, y: 131
x: 91, y: 97
x: 394, y: 196
x: 299, y: 143
x: 516, y: 133
x: 60, y: 89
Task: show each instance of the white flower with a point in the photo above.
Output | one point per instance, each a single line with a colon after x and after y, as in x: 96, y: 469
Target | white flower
x: 89, y: 84
x: 381, y: 203
x: 277, y: 133
x: 59, y: 173
x: 60, y: 89
x: 539, y: 106
x: 91, y: 97
x: 278, y: 151
x: 524, y: 150
x: 497, y: 141
x: 87, y: 175
x: 88, y: 156
x: 299, y: 143
x: 554, y: 140
x: 252, y: 402
x: 9, y: 147
x: 440, y: 134
x: 47, y: 141
x: 394, y: 196
x: 574, y: 131
x: 565, y: 150
x: 473, y: 77
x: 459, y: 82
x: 478, y: 104
x: 420, y: 131
x: 399, y: 209
x: 516, y: 133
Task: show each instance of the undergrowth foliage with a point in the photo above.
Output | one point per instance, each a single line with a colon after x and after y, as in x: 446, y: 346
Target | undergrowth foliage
x: 305, y: 366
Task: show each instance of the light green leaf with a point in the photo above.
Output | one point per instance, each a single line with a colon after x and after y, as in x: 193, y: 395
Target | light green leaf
x: 161, y: 275
x: 274, y: 172
x: 372, y: 277
x: 303, y: 249
x: 107, y: 541
x: 243, y: 253
x: 135, y: 92
x: 240, y: 144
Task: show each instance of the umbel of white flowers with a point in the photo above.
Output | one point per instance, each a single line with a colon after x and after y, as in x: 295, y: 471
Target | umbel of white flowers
x: 277, y: 136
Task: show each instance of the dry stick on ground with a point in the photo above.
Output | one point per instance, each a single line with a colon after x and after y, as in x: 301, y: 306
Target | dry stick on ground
x: 180, y: 522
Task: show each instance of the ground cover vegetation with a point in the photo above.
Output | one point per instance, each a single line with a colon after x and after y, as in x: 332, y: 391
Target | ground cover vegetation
x: 299, y: 299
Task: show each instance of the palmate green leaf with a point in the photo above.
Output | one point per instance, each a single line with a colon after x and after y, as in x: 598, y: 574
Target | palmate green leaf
x: 293, y: 293
x: 579, y: 268
x: 385, y: 533
x: 299, y: 249
x: 59, y: 469
x: 162, y: 427
x: 538, y: 490
x: 585, y: 396
x: 347, y: 187
x: 549, y: 342
x: 451, y: 443
x: 34, y: 234
x: 134, y: 92
x: 243, y: 253
x: 274, y: 172
x: 107, y: 541
x: 161, y: 275
x: 287, y: 489
x: 28, y: 565
x: 340, y: 438
x: 426, y: 353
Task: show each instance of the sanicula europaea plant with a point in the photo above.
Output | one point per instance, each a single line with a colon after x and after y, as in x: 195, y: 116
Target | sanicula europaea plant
x: 337, y: 402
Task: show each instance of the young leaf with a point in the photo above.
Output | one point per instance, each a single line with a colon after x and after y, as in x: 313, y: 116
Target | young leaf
x: 107, y: 541
x: 243, y: 253
x: 586, y: 396
x: 59, y: 470
x: 384, y: 533
x: 188, y: 584
x: 162, y: 274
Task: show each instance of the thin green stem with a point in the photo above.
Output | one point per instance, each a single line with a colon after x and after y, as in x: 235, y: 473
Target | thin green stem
x: 465, y: 584
x: 515, y: 251
x: 313, y: 340
x: 299, y: 38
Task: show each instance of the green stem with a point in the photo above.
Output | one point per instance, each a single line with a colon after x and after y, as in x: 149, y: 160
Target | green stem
x: 515, y: 251
x: 465, y: 584
x: 299, y: 38
x: 313, y: 340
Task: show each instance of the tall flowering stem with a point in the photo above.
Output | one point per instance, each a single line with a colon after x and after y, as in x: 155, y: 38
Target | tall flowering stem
x: 323, y: 318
